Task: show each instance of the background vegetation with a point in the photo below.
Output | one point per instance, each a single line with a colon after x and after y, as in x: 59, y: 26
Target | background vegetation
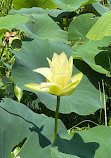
x: 66, y: 21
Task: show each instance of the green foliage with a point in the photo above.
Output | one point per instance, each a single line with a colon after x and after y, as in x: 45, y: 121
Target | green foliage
x: 100, y: 8
x: 89, y: 142
x: 30, y: 57
x: 71, y: 5
x: 5, y: 6
x: 22, y: 123
x: 26, y: 130
x: 36, y: 28
x: 37, y: 10
x: 1, y: 84
x: 93, y: 52
x: 6, y: 62
x: 33, y: 3
x: 11, y: 21
x: 18, y: 92
x: 101, y: 27
x: 80, y: 26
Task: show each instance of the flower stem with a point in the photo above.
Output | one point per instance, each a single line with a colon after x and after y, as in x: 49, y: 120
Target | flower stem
x: 56, y: 118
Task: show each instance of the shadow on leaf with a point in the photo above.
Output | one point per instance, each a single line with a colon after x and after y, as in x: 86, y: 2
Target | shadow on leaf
x: 93, y: 76
x: 43, y: 141
x: 76, y: 146
x: 104, y: 59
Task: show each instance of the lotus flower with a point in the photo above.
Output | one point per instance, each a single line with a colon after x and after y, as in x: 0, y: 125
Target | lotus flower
x: 58, y: 77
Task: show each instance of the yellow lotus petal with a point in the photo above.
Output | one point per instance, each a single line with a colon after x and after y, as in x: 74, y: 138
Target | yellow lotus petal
x: 63, y: 56
x: 36, y: 87
x: 58, y: 76
x: 64, y: 67
x: 55, y: 59
x: 77, y: 77
x: 46, y: 84
x: 45, y: 87
x: 52, y: 65
x: 46, y: 72
x: 59, y: 63
x: 62, y: 78
x: 63, y: 63
x: 52, y: 88
x: 69, y: 89
x: 55, y: 64
x: 71, y: 64
x: 55, y: 90
x: 51, y: 69
x: 49, y: 61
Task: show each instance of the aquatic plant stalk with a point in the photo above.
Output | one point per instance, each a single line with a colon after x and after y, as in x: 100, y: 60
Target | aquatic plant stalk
x: 56, y: 118
x: 105, y: 111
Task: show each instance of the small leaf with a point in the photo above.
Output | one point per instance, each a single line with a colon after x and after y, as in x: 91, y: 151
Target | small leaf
x: 15, y: 152
x: 18, y: 92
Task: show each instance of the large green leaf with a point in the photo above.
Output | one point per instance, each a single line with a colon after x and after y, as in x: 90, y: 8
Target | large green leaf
x: 33, y: 3
x: 17, y: 122
x: 43, y: 26
x: 101, y: 28
x: 80, y: 26
x: 71, y: 5
x: 85, y: 100
x: 92, y: 53
x: 11, y: 21
x: 93, y: 143
x: 37, y: 10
